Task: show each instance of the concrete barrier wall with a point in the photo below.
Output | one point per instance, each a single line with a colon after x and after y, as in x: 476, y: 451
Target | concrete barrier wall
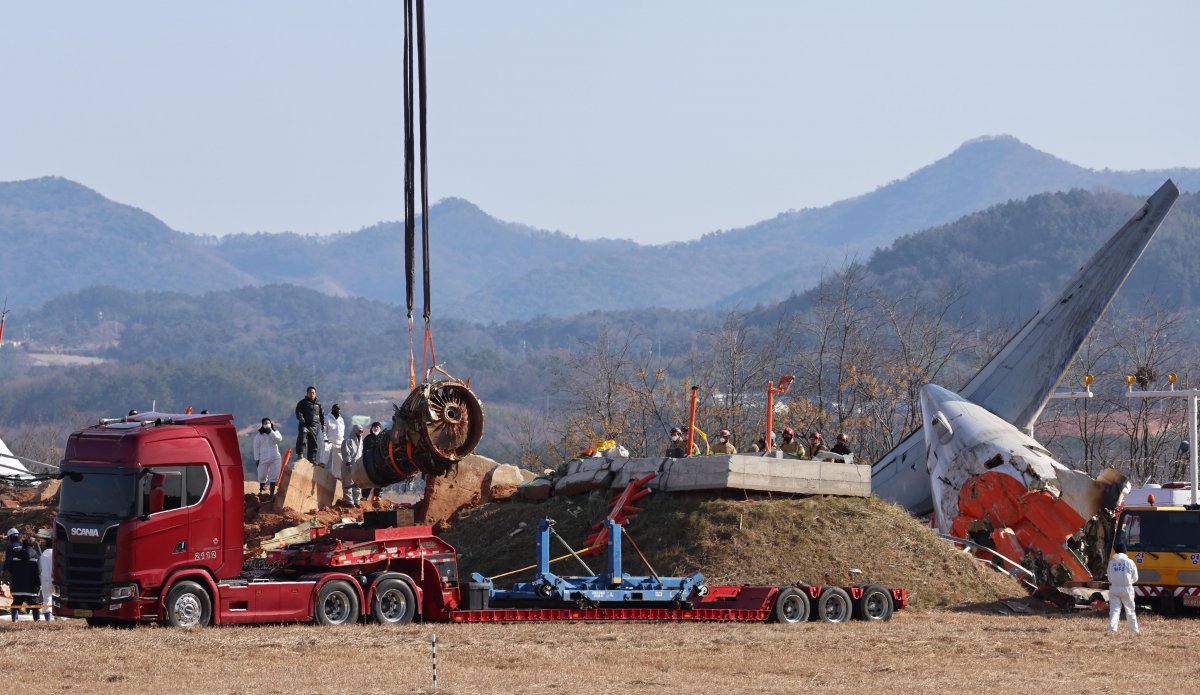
x: 725, y: 472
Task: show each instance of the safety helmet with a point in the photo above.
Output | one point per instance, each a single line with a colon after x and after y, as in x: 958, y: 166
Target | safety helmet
x: 725, y: 433
x: 789, y: 432
x: 815, y: 435
x: 676, y: 430
x: 843, y: 437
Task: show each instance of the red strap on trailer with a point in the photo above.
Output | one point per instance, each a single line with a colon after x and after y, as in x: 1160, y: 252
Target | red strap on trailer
x: 855, y: 592
x: 814, y: 592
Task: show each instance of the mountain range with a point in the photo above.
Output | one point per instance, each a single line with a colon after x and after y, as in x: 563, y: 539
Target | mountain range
x: 59, y: 236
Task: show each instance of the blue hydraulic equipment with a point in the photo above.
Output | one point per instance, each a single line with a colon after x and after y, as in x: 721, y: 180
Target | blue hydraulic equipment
x: 613, y: 586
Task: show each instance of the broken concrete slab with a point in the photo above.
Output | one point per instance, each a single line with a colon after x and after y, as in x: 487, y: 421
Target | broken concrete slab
x: 462, y: 488
x: 306, y: 488
x: 528, y: 475
x: 760, y: 473
x: 626, y: 470
x: 589, y: 474
x: 765, y: 474
x: 536, y: 490
x: 503, y: 481
x: 46, y: 493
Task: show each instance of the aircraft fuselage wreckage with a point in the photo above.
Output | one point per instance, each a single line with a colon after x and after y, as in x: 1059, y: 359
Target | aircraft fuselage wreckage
x: 1016, y: 384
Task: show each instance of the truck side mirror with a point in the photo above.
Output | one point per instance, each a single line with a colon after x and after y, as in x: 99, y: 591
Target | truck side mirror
x: 158, y: 496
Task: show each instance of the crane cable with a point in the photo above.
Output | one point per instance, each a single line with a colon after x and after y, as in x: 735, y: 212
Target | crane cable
x: 427, y: 350
x: 411, y: 149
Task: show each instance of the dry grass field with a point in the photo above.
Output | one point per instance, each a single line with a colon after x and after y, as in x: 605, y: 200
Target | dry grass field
x: 926, y: 651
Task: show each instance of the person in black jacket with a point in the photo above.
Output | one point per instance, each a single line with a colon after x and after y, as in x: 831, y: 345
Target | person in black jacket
x: 310, y: 417
x: 25, y: 578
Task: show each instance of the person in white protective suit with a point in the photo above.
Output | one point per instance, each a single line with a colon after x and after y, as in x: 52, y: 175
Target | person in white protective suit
x: 46, y: 571
x: 1122, y: 575
x: 335, y: 432
x: 266, y: 455
x: 351, y: 458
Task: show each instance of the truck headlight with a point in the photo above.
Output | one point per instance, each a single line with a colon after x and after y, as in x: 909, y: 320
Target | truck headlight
x: 123, y: 591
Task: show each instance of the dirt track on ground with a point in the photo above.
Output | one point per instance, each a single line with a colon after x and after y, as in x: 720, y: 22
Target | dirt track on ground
x: 930, y: 651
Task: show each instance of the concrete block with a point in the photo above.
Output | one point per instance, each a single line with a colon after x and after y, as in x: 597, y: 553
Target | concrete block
x: 625, y: 470
x: 46, y: 493
x: 503, y: 482
x: 585, y: 480
x: 759, y: 474
x: 535, y: 490
x: 306, y: 488
x: 527, y: 474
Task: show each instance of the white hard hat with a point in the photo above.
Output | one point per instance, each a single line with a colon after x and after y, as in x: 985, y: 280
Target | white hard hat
x: 12, y: 532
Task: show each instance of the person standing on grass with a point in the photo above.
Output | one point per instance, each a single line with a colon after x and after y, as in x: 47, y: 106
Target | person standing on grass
x: 25, y: 581
x: 1122, y: 575
x: 46, y: 572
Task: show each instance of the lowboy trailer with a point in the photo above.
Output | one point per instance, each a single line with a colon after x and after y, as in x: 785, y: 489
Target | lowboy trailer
x: 150, y: 529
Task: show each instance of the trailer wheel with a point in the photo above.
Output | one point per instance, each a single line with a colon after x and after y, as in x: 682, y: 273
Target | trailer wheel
x: 394, y: 603
x: 834, y: 605
x: 337, y: 604
x: 791, y: 606
x: 874, y: 604
x: 188, y: 606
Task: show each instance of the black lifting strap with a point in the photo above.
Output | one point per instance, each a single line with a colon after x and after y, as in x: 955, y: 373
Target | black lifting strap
x: 409, y: 190
x: 424, y: 155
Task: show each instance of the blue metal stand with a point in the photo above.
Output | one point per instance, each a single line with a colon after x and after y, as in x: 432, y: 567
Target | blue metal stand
x: 613, y: 586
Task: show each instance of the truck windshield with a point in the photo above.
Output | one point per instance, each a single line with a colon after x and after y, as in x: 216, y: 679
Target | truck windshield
x: 109, y: 494
x: 1155, y: 530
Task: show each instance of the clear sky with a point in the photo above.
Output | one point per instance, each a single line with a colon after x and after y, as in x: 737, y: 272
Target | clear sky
x: 655, y: 120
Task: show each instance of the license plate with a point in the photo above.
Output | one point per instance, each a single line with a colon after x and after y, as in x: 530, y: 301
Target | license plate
x: 1191, y: 601
x: 83, y: 613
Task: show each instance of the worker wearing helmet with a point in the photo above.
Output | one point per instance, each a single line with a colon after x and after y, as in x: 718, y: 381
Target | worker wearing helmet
x: 842, y: 448
x: 792, y: 446
x: 724, y: 445
x: 675, y: 448
x: 678, y: 447
x: 815, y: 443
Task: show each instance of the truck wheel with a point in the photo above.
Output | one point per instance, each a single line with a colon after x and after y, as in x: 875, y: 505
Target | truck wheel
x: 394, y: 603
x: 337, y: 604
x: 791, y: 606
x: 188, y: 606
x: 834, y: 605
x: 874, y: 604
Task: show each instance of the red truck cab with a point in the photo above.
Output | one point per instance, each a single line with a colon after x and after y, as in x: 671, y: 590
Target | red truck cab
x: 144, y: 502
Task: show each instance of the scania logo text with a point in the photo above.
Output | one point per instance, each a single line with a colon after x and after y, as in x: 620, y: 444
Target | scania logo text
x: 93, y: 532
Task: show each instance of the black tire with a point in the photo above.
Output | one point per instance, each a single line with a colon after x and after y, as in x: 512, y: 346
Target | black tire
x: 874, y: 604
x: 791, y: 606
x: 337, y: 604
x: 393, y: 603
x: 834, y: 605
x: 1167, y: 606
x: 188, y: 606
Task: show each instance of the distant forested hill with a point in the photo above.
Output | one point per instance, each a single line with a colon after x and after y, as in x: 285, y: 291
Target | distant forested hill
x: 1009, y: 258
x: 59, y: 236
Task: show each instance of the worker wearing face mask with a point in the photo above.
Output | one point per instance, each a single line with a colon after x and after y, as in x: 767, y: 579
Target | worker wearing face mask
x: 724, y: 445
x: 266, y: 455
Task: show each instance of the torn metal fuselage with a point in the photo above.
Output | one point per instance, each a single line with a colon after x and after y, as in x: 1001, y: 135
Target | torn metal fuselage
x: 986, y: 473
x: 439, y: 424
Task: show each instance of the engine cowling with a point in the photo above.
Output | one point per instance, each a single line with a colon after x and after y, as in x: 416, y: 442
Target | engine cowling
x: 439, y: 424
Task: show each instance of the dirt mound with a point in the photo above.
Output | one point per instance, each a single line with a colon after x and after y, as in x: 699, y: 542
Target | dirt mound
x: 816, y: 540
